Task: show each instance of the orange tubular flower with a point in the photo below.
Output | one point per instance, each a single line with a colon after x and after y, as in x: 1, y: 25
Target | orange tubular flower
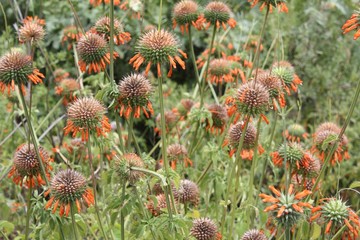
x: 26, y: 166
x: 178, y: 153
x: 280, y: 4
x: 93, y: 52
x: 336, y: 214
x: 287, y: 207
x: 219, y: 118
x: 353, y: 24
x: 295, y: 133
x: 16, y: 68
x: 157, y: 47
x: 68, y: 187
x: 70, y: 36
x: 224, y: 70
x: 66, y: 88
x: 35, y: 20
x: 216, y: 13
x: 86, y: 115
x: 102, y: 28
x: 184, y: 14
x: 96, y: 3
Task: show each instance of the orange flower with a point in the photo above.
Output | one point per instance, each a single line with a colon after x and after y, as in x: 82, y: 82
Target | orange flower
x: 295, y: 133
x: 353, y: 23
x: 287, y: 207
x: 177, y: 152
x: 96, y: 3
x: 70, y: 35
x: 184, y: 14
x: 157, y: 47
x: 102, y: 28
x: 280, y: 4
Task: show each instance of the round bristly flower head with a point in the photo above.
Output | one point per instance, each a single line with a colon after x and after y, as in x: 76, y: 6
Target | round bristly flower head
x: 252, y: 99
x: 60, y: 74
x: 188, y: 193
x: 293, y: 153
x: 102, y: 28
x: 123, y: 166
x: 16, y: 68
x: 86, y: 115
x: 285, y: 71
x: 204, y: 229
x: 68, y: 187
x: 155, y: 48
x: 222, y: 70
x: 302, y: 182
x: 94, y: 52
x: 280, y: 4
x: 219, y: 118
x: 157, y: 208
x: 134, y: 94
x: 253, y: 234
x: 274, y: 85
x: 183, y: 108
x: 70, y: 35
x: 325, y: 137
x: 353, y: 23
x: 31, y: 32
x: 184, y: 14
x: 296, y: 133
x: 177, y: 152
x: 66, y: 88
x: 217, y: 13
x: 335, y: 214
x: 287, y: 207
x: 27, y: 166
x: 170, y: 119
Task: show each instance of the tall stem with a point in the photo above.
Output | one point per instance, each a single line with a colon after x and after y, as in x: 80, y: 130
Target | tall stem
x: 33, y: 136
x: 94, y: 186
x: 202, y: 89
x: 122, y: 217
x: 130, y: 132
x: 118, y: 128
x: 111, y: 43
x: 74, y: 227
x: 163, y: 147
x: 28, y: 213
x: 160, y: 15
x: 193, y: 58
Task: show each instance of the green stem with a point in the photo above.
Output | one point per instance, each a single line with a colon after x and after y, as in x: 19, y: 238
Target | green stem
x: 93, y: 178
x: 338, y: 139
x: 28, y: 213
x: 237, y: 166
x: 147, y: 171
x: 154, y: 148
x: 160, y: 15
x: 74, y: 227
x: 122, y: 216
x: 111, y: 43
x: 204, y: 172
x: 163, y: 147
x: 202, y: 89
x: 33, y: 136
x: 193, y: 58
x: 118, y: 128
x: 130, y: 132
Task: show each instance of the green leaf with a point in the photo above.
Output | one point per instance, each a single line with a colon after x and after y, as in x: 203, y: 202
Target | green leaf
x: 316, y: 232
x: 6, y: 227
x: 355, y: 184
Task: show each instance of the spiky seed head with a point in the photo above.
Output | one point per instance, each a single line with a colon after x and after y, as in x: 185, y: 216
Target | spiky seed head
x: 252, y: 98
x: 102, y: 27
x: 92, y: 48
x: 135, y: 90
x: 26, y: 161
x: 185, y: 12
x: 31, y: 32
x: 185, y: 106
x: 253, y: 234
x: 156, y: 208
x: 176, y: 151
x: 218, y: 115
x: 60, y: 74
x: 86, y: 112
x: 70, y: 32
x: 188, y: 192
x: 155, y: 46
x: 235, y: 133
x: 123, y: 166
x: 310, y: 165
x: 284, y: 64
x: 302, y: 183
x: 15, y: 66
x: 335, y: 210
x: 170, y: 119
x: 271, y: 82
x: 217, y: 11
x: 329, y: 126
x: 293, y: 153
x: 220, y: 67
x: 204, y: 229
x: 297, y: 131
x: 69, y: 85
x: 67, y: 186
x: 284, y: 73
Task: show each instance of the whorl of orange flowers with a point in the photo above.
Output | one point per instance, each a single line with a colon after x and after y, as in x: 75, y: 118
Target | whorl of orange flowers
x: 353, y: 23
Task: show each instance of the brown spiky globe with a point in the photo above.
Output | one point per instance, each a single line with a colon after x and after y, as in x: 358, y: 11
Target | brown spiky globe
x: 184, y: 107
x: 204, y: 229
x: 187, y: 193
x: 134, y: 91
x: 310, y: 165
x: 235, y: 133
x: 60, y: 74
x: 16, y: 68
x: 31, y: 32
x: 123, y: 166
x: 217, y: 11
x: 328, y: 126
x: 185, y: 12
x: 252, y: 98
x: 271, y: 82
x: 219, y: 115
x: 176, y: 150
x: 26, y: 162
x: 254, y: 234
x: 102, y: 27
x: 156, y: 209
x: 68, y: 86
